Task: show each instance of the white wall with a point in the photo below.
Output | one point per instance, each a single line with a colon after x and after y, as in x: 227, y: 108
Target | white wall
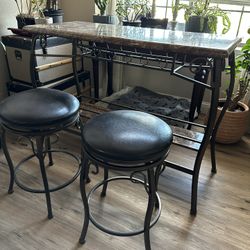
x: 7, y: 19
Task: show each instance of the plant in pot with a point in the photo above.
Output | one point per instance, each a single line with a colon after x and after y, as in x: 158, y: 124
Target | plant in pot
x: 28, y: 10
x: 201, y: 17
x: 53, y: 11
x: 131, y: 11
x: 148, y: 20
x: 102, y: 17
x: 176, y: 6
x: 234, y: 122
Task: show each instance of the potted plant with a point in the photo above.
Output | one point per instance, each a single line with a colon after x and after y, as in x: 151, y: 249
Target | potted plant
x: 201, y: 17
x: 234, y: 122
x: 130, y: 11
x: 28, y: 10
x: 102, y: 17
x: 176, y: 6
x: 148, y: 20
x: 52, y: 10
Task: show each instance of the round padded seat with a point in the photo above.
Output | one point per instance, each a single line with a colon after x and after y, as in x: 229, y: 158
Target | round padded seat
x: 129, y: 141
x: 39, y: 110
x: 39, y: 113
x: 125, y: 136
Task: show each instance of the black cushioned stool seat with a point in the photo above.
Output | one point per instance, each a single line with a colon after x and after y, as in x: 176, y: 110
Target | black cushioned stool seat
x: 39, y: 113
x: 39, y: 110
x: 127, y: 136
x: 130, y: 141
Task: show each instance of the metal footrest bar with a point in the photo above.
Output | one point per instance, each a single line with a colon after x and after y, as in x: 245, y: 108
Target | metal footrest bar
x: 124, y: 234
x: 31, y: 190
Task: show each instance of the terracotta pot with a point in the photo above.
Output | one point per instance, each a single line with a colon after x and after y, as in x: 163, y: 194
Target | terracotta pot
x: 233, y: 125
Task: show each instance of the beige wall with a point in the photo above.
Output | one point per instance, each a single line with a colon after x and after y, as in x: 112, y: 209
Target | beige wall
x: 78, y: 10
x: 7, y: 19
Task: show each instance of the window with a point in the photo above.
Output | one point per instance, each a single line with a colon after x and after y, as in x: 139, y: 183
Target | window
x: 238, y: 12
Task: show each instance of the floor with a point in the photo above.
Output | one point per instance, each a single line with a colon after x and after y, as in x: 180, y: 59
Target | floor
x: 222, y: 221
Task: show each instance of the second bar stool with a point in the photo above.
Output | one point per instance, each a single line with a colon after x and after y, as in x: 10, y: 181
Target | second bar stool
x: 39, y: 113
x: 125, y: 140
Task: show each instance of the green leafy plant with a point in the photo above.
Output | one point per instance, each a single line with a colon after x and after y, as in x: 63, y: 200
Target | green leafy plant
x: 243, y: 69
x: 30, y: 8
x: 176, y: 6
x: 203, y: 9
x: 132, y: 10
x: 102, y: 5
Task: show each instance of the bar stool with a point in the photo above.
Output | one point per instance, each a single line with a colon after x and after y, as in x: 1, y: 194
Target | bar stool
x: 39, y: 113
x: 125, y: 140
x: 9, y: 162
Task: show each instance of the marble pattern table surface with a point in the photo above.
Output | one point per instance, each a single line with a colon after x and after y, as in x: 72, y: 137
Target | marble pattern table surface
x: 198, y: 44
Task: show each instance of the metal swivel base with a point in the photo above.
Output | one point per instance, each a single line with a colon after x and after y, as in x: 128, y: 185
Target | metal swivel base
x: 31, y: 190
x: 109, y: 231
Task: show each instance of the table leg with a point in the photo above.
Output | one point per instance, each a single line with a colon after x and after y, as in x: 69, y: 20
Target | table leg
x: 74, y: 66
x: 95, y: 63
x: 215, y: 84
x: 229, y: 95
x: 110, y: 78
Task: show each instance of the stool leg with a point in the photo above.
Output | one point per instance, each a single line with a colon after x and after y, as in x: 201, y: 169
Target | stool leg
x: 105, y: 185
x: 159, y: 170
x: 9, y: 161
x: 48, y: 147
x: 88, y: 180
x: 96, y: 169
x: 151, y: 203
x: 213, y: 157
x: 83, y: 178
x: 39, y: 144
x: 157, y: 176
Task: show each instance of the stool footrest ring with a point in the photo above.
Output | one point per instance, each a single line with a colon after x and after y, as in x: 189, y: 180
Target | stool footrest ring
x: 31, y: 190
x: 112, y: 232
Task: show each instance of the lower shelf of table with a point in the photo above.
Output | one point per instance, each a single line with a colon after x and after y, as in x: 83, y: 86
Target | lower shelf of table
x: 182, y: 137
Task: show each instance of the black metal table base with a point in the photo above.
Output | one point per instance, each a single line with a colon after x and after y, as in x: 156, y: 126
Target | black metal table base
x: 205, y: 71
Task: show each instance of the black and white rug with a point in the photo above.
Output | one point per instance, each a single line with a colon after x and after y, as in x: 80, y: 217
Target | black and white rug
x: 149, y: 101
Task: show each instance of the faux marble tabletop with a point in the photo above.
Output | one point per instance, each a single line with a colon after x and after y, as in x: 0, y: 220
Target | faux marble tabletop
x: 199, y: 44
